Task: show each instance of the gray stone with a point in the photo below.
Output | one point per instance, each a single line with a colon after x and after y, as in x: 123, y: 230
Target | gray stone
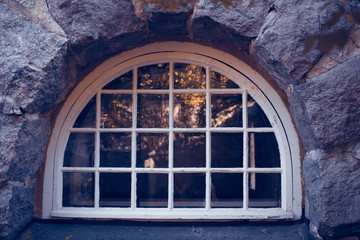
x: 332, y: 186
x: 31, y: 66
x: 330, y: 105
x: 16, y: 207
x: 243, y: 17
x: 94, y: 27
x: 280, y: 46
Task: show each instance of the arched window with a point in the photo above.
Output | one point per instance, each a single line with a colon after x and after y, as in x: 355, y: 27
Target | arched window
x: 173, y: 131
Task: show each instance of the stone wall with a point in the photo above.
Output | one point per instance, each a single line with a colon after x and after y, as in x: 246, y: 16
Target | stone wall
x: 309, y: 49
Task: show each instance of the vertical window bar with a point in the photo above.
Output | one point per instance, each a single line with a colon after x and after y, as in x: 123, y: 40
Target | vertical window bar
x: 208, y: 143
x: 171, y: 138
x: 246, y: 152
x: 97, y: 149
x: 133, y: 140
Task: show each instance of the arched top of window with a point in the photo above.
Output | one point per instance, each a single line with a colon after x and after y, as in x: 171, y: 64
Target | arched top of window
x: 173, y: 131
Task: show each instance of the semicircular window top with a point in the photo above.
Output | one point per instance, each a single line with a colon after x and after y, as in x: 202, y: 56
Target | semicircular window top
x: 173, y: 140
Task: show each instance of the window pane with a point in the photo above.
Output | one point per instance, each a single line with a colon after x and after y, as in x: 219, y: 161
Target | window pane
x: 116, y: 111
x: 154, y: 76
x: 263, y: 150
x: 122, y: 82
x: 189, y: 110
x: 220, y: 81
x: 226, y: 110
x: 226, y: 150
x: 256, y: 116
x: 226, y: 190
x: 152, y: 190
x: 153, y: 111
x: 152, y: 150
x: 79, y: 150
x: 78, y: 189
x: 189, y: 76
x: 86, y: 118
x: 189, y: 190
x: 264, y: 190
x: 115, y: 149
x: 189, y: 150
x: 115, y: 190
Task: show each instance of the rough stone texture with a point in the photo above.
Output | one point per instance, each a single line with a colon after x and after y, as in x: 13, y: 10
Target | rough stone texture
x: 328, y: 106
x: 279, y: 47
x: 338, y: 55
x: 98, y: 28
x: 334, y: 172
x: 243, y: 17
x: 22, y: 143
x: 45, y: 46
x: 31, y: 66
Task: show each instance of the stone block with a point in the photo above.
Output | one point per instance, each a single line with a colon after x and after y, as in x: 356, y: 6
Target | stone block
x: 329, y: 106
x: 332, y: 186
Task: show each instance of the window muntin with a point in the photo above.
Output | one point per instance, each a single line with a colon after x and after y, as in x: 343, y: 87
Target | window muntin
x: 180, y: 138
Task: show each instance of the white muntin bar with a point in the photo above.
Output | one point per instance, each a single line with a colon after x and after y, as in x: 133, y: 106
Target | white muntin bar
x: 208, y: 142
x: 171, y: 138
x: 245, y: 152
x: 97, y: 150
x: 133, y: 140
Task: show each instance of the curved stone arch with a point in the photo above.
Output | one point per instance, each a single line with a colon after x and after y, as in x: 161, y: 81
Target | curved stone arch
x: 222, y: 62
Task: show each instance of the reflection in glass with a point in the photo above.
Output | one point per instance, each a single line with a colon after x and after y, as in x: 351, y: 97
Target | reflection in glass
x: 226, y: 150
x: 153, y: 111
x: 226, y: 190
x: 78, y: 189
x: 152, y: 150
x: 265, y: 190
x: 122, y: 82
x: 263, y: 150
x: 115, y: 190
x: 152, y: 190
x: 154, y: 76
x: 256, y: 116
x: 189, y: 150
x: 86, y: 118
x: 115, y: 149
x: 189, y: 190
x: 189, y: 76
x: 79, y: 150
x: 189, y: 110
x: 220, y: 81
x: 116, y: 111
x: 226, y: 110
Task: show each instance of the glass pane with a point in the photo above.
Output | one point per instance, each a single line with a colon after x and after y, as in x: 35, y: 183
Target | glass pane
x: 256, y: 116
x: 226, y: 190
x: 78, y: 189
x: 79, y: 150
x: 122, y: 82
x: 86, y: 118
x: 153, y: 111
x: 116, y: 111
x: 226, y: 110
x: 115, y: 190
x: 189, y: 110
x: 154, y: 76
x: 152, y: 190
x: 115, y: 149
x: 264, y: 190
x: 189, y: 190
x: 226, y: 150
x: 152, y: 150
x: 188, y: 76
x: 189, y: 150
x: 263, y: 150
x: 220, y: 81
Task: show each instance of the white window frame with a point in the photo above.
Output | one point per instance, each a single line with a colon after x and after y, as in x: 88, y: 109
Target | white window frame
x: 224, y: 63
